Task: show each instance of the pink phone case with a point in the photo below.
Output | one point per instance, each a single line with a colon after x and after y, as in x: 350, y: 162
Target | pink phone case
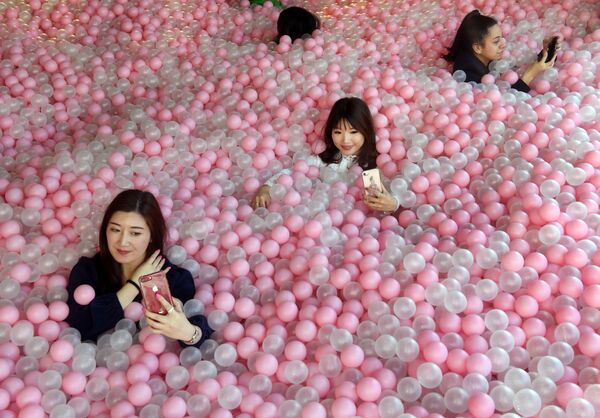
x: 152, y: 284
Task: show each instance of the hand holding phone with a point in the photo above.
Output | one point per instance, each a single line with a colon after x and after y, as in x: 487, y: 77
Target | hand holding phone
x: 153, y: 284
x: 551, y: 50
x: 372, y: 180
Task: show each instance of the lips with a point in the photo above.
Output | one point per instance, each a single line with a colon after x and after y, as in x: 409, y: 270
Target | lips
x: 123, y: 252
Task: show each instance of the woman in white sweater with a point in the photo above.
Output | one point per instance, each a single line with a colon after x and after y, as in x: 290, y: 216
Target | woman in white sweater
x: 349, y: 136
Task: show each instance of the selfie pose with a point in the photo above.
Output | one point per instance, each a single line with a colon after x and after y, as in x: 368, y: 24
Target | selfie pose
x: 479, y: 41
x: 349, y: 136
x: 131, y: 244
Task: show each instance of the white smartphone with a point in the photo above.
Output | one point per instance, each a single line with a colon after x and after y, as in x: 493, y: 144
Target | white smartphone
x: 372, y: 180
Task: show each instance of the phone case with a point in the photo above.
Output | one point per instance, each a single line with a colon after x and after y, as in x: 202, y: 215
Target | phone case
x: 154, y: 283
x: 371, y: 179
x: 551, y: 50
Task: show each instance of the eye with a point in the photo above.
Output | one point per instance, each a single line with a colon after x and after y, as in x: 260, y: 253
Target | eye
x: 114, y: 230
x: 135, y: 234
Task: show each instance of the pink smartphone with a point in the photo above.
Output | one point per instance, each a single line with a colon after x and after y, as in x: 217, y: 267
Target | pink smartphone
x: 152, y: 284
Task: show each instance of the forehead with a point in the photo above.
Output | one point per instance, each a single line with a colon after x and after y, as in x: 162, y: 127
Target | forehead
x: 343, y: 124
x: 128, y: 219
x: 494, y: 32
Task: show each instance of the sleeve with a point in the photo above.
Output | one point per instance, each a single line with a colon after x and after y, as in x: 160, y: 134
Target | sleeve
x: 182, y: 287
x: 521, y: 86
x: 313, y: 160
x: 101, y: 314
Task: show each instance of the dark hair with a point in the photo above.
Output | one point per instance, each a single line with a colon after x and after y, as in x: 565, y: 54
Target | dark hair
x: 143, y: 203
x: 296, y: 22
x: 356, y: 112
x: 472, y: 30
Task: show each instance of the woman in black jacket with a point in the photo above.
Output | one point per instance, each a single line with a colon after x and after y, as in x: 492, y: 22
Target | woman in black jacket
x: 131, y: 241
x: 479, y: 41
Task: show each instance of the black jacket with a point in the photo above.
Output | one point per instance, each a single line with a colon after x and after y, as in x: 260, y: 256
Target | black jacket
x: 475, y: 69
x: 104, y: 311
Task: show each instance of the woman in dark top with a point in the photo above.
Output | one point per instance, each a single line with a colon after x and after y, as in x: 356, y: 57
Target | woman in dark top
x: 131, y: 241
x: 479, y: 41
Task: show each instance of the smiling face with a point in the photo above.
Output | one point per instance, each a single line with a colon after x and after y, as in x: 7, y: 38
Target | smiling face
x: 128, y: 236
x: 492, y: 47
x: 346, y: 139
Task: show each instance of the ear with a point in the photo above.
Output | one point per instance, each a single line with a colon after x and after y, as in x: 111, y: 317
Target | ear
x: 477, y: 48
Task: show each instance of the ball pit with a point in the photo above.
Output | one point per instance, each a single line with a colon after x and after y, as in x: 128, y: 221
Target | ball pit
x: 479, y: 298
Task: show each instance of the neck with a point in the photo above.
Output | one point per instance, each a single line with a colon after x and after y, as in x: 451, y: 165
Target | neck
x: 484, y: 60
x: 128, y: 269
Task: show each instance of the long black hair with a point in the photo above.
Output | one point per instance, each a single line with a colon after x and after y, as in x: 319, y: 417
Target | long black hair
x: 472, y: 30
x: 144, y: 204
x: 354, y: 111
x: 296, y: 22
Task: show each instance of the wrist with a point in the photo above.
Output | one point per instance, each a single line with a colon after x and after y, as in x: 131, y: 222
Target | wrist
x: 135, y: 284
x: 193, y: 336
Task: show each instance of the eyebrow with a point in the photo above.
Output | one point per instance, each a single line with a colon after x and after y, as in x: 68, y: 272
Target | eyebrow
x: 132, y: 227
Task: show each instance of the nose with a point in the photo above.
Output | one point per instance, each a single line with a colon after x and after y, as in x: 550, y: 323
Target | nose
x: 123, y: 240
x: 347, y: 137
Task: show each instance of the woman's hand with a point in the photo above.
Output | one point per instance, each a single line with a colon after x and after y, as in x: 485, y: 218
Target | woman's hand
x: 558, y: 42
x: 153, y: 264
x: 262, y: 198
x: 538, y: 67
x: 380, y: 200
x: 174, y: 324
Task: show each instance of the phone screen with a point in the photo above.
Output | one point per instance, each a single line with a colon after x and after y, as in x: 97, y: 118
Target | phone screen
x: 152, y: 284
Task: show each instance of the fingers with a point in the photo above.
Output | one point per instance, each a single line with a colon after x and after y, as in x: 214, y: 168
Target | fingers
x: 164, y: 303
x: 544, y: 55
x: 178, y: 305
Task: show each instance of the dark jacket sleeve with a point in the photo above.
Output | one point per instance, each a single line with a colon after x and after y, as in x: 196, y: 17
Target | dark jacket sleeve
x: 182, y: 287
x: 521, y: 86
x: 102, y: 313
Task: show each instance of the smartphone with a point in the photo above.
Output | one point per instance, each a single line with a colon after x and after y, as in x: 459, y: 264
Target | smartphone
x: 152, y: 284
x: 551, y: 50
x: 372, y: 179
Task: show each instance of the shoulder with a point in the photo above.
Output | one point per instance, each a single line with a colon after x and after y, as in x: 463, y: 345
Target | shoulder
x: 85, y: 271
x: 469, y: 63
x: 176, y: 272
x: 87, y: 264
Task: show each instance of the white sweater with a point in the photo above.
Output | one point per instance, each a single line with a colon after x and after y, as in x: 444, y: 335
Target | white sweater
x: 346, y: 162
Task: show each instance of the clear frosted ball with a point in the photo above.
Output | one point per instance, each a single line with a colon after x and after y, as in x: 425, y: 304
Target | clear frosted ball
x: 456, y: 400
x: 229, y: 397
x: 527, y: 402
x: 404, y: 308
x: 517, y: 379
x: 177, y: 377
x: 409, y: 389
x: 455, y: 301
x: 580, y: 408
x: 550, y: 367
x: 545, y: 387
x: 407, y: 349
x: 552, y: 411
x: 390, y: 407
x: 429, y: 375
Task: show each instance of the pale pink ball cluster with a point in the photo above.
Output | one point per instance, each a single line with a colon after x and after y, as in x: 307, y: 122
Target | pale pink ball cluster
x: 479, y: 298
